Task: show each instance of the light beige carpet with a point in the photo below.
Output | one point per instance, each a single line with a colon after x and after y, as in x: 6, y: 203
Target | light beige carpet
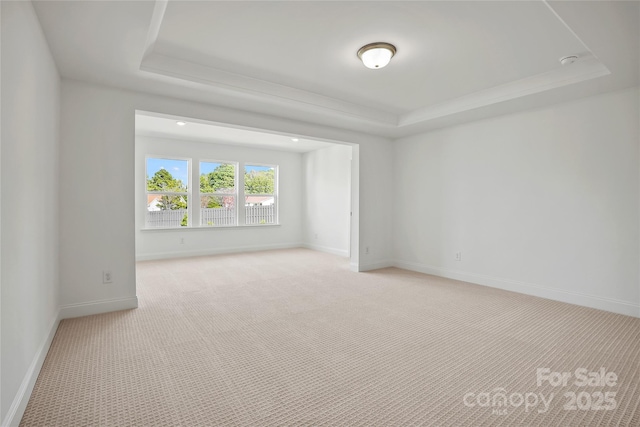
x: 293, y: 337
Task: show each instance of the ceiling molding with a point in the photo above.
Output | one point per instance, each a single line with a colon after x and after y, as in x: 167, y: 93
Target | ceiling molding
x: 278, y: 95
x: 159, y: 9
x: 256, y: 89
x: 585, y: 69
x: 559, y: 18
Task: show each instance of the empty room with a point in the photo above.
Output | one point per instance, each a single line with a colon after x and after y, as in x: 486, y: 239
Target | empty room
x: 283, y: 213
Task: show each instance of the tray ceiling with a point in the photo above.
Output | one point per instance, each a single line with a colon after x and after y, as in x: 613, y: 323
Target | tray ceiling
x: 455, y: 60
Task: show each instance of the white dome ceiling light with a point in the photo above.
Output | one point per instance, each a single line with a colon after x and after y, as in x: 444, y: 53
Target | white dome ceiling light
x: 376, y: 55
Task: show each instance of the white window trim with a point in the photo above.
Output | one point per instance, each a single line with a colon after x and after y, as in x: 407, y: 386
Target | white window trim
x: 188, y: 193
x: 194, y: 195
x: 276, y: 169
x: 234, y: 194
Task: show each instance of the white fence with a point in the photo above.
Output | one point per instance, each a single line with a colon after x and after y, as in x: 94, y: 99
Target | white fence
x: 260, y: 214
x: 215, y: 217
x: 166, y: 218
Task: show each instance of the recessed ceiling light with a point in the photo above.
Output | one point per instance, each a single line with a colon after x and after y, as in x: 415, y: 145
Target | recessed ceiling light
x: 181, y: 123
x: 295, y: 139
x: 376, y: 55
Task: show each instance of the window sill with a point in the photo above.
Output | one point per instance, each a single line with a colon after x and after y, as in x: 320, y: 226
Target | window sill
x: 230, y: 227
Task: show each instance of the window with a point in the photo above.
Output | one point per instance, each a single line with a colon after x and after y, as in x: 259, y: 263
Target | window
x: 167, y: 192
x: 173, y: 201
x: 218, y: 194
x: 260, y: 194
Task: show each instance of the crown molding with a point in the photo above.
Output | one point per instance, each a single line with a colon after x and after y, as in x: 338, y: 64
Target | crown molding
x: 282, y: 96
x: 585, y: 69
x: 260, y: 90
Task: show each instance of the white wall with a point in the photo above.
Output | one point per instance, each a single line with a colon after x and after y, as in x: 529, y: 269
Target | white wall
x: 327, y: 199
x: 29, y: 218
x: 155, y: 244
x: 98, y: 123
x: 543, y: 202
x: 376, y: 186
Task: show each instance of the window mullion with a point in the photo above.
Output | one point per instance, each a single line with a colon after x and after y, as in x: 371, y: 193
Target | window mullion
x: 240, y: 203
x: 194, y: 196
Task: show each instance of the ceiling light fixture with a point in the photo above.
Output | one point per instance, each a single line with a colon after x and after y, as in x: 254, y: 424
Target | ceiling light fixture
x: 181, y: 123
x: 295, y: 139
x: 376, y: 55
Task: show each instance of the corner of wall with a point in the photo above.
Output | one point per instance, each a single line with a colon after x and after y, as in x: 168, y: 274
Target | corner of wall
x: 90, y: 308
x: 325, y: 249
x: 375, y: 265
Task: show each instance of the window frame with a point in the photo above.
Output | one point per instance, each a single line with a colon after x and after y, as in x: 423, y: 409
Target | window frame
x: 236, y: 185
x: 194, y: 196
x: 187, y: 193
x: 276, y: 175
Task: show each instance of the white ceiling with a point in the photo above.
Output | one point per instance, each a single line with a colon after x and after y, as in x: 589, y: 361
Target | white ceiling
x: 443, y: 48
x: 161, y: 126
x: 456, y: 61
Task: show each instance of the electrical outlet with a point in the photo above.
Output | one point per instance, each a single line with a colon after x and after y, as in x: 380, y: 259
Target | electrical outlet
x: 366, y: 250
x: 107, y: 277
x: 316, y: 236
x: 182, y: 240
x: 458, y: 256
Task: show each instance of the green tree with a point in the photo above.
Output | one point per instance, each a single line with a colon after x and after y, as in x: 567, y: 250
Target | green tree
x: 205, y: 187
x: 220, y: 180
x: 162, y: 180
x: 211, y: 202
x: 259, y: 182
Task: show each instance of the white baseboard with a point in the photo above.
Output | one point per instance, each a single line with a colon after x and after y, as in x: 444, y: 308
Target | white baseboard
x: 374, y: 265
x: 19, y: 404
x: 577, y: 298
x: 97, y: 307
x: 326, y: 249
x: 205, y: 252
